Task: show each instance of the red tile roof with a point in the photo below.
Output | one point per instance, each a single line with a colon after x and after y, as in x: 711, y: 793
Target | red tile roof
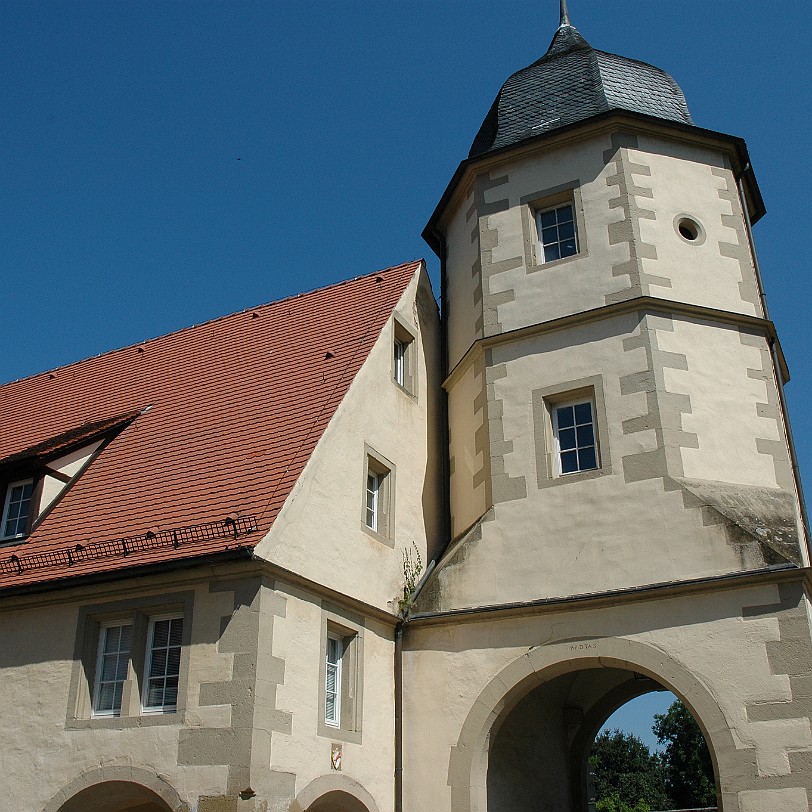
x: 228, y: 413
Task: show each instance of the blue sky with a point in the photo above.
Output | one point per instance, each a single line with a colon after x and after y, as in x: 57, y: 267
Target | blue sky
x: 164, y: 163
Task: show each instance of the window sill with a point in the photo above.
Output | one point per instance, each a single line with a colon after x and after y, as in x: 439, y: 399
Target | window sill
x: 148, y: 719
x: 339, y: 733
x: 389, y: 542
x: 555, y: 262
x: 13, y: 541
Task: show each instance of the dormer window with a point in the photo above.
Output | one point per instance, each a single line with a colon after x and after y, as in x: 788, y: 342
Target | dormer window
x: 17, y: 509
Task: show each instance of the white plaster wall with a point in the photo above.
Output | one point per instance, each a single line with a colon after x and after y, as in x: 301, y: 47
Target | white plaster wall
x: 705, y: 636
x: 577, y: 283
x: 468, y: 503
x: 683, y: 183
x: 580, y: 535
x: 306, y: 753
x: 463, y: 314
x: 724, y: 403
x: 319, y: 532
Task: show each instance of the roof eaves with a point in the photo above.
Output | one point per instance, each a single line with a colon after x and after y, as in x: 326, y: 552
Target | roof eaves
x: 137, y: 571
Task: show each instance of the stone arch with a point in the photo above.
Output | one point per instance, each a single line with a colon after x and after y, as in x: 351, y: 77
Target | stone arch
x: 332, y: 793
x: 132, y: 782
x: 468, y: 764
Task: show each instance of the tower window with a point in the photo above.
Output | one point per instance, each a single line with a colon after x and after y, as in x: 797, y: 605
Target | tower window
x: 574, y: 430
x: 557, y: 233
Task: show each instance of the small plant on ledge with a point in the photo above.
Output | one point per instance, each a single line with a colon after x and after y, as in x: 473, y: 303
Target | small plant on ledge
x: 412, y: 568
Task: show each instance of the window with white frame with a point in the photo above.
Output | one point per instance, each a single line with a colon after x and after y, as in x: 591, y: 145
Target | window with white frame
x: 575, y: 436
x: 556, y: 232
x: 378, y: 488
x: 17, y: 509
x: 163, y: 664
x: 111, y: 668
x: 333, y: 681
x: 403, y: 360
x: 341, y: 680
x: 373, y: 514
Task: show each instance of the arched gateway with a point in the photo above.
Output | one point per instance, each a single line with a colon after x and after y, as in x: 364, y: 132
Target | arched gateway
x: 527, y: 748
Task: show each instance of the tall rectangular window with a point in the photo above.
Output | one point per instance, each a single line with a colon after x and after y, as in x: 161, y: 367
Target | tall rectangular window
x: 163, y: 663
x: 111, y: 669
x: 399, y: 363
x: 574, y: 430
x: 332, y: 683
x: 556, y: 231
x: 17, y: 509
x: 373, y: 500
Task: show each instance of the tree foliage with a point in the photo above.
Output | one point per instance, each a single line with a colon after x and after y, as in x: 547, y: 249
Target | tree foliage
x: 628, y: 777
x: 688, y: 769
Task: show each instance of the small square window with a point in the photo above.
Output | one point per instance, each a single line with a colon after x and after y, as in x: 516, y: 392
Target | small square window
x: 163, y: 664
x: 557, y: 233
x: 17, y: 509
x: 112, y: 667
x: 575, y: 436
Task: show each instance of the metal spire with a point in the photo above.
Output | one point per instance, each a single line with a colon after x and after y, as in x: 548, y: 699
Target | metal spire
x: 565, y: 15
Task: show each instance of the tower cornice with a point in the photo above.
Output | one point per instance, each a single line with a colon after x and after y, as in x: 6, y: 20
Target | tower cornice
x: 610, y: 121
x: 639, y: 304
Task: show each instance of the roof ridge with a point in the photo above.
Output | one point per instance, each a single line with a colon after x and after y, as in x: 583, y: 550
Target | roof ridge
x: 291, y: 297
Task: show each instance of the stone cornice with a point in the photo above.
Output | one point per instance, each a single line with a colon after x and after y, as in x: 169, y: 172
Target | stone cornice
x: 639, y: 304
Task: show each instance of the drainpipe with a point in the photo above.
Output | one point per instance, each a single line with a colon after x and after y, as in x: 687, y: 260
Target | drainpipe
x: 779, y: 379
x: 399, y: 717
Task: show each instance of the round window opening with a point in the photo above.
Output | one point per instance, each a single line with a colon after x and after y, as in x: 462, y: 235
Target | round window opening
x: 689, y: 229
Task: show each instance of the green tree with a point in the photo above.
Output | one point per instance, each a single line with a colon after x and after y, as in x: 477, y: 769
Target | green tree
x: 628, y: 777
x: 688, y: 768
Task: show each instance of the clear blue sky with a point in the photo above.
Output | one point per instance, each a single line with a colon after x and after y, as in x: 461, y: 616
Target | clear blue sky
x: 164, y: 163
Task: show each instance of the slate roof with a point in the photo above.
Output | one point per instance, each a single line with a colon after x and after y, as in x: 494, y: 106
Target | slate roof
x: 215, y: 424
x: 573, y: 82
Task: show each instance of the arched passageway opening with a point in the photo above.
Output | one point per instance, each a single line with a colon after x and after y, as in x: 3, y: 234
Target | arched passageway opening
x: 538, y: 755
x: 337, y: 801
x: 115, y: 796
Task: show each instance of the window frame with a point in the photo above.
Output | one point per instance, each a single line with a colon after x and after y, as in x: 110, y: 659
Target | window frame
x: 347, y: 628
x: 544, y: 402
x: 404, y: 357
x: 383, y: 471
x: 140, y: 613
x: 533, y: 205
x: 333, y: 720
x: 7, y: 501
x: 557, y: 207
x: 104, y: 628
x: 148, y: 660
x: 557, y: 429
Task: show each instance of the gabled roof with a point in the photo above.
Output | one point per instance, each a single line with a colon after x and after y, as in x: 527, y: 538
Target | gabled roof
x: 223, y: 417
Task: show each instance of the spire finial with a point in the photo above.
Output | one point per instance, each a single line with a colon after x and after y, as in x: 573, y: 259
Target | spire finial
x: 565, y: 15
